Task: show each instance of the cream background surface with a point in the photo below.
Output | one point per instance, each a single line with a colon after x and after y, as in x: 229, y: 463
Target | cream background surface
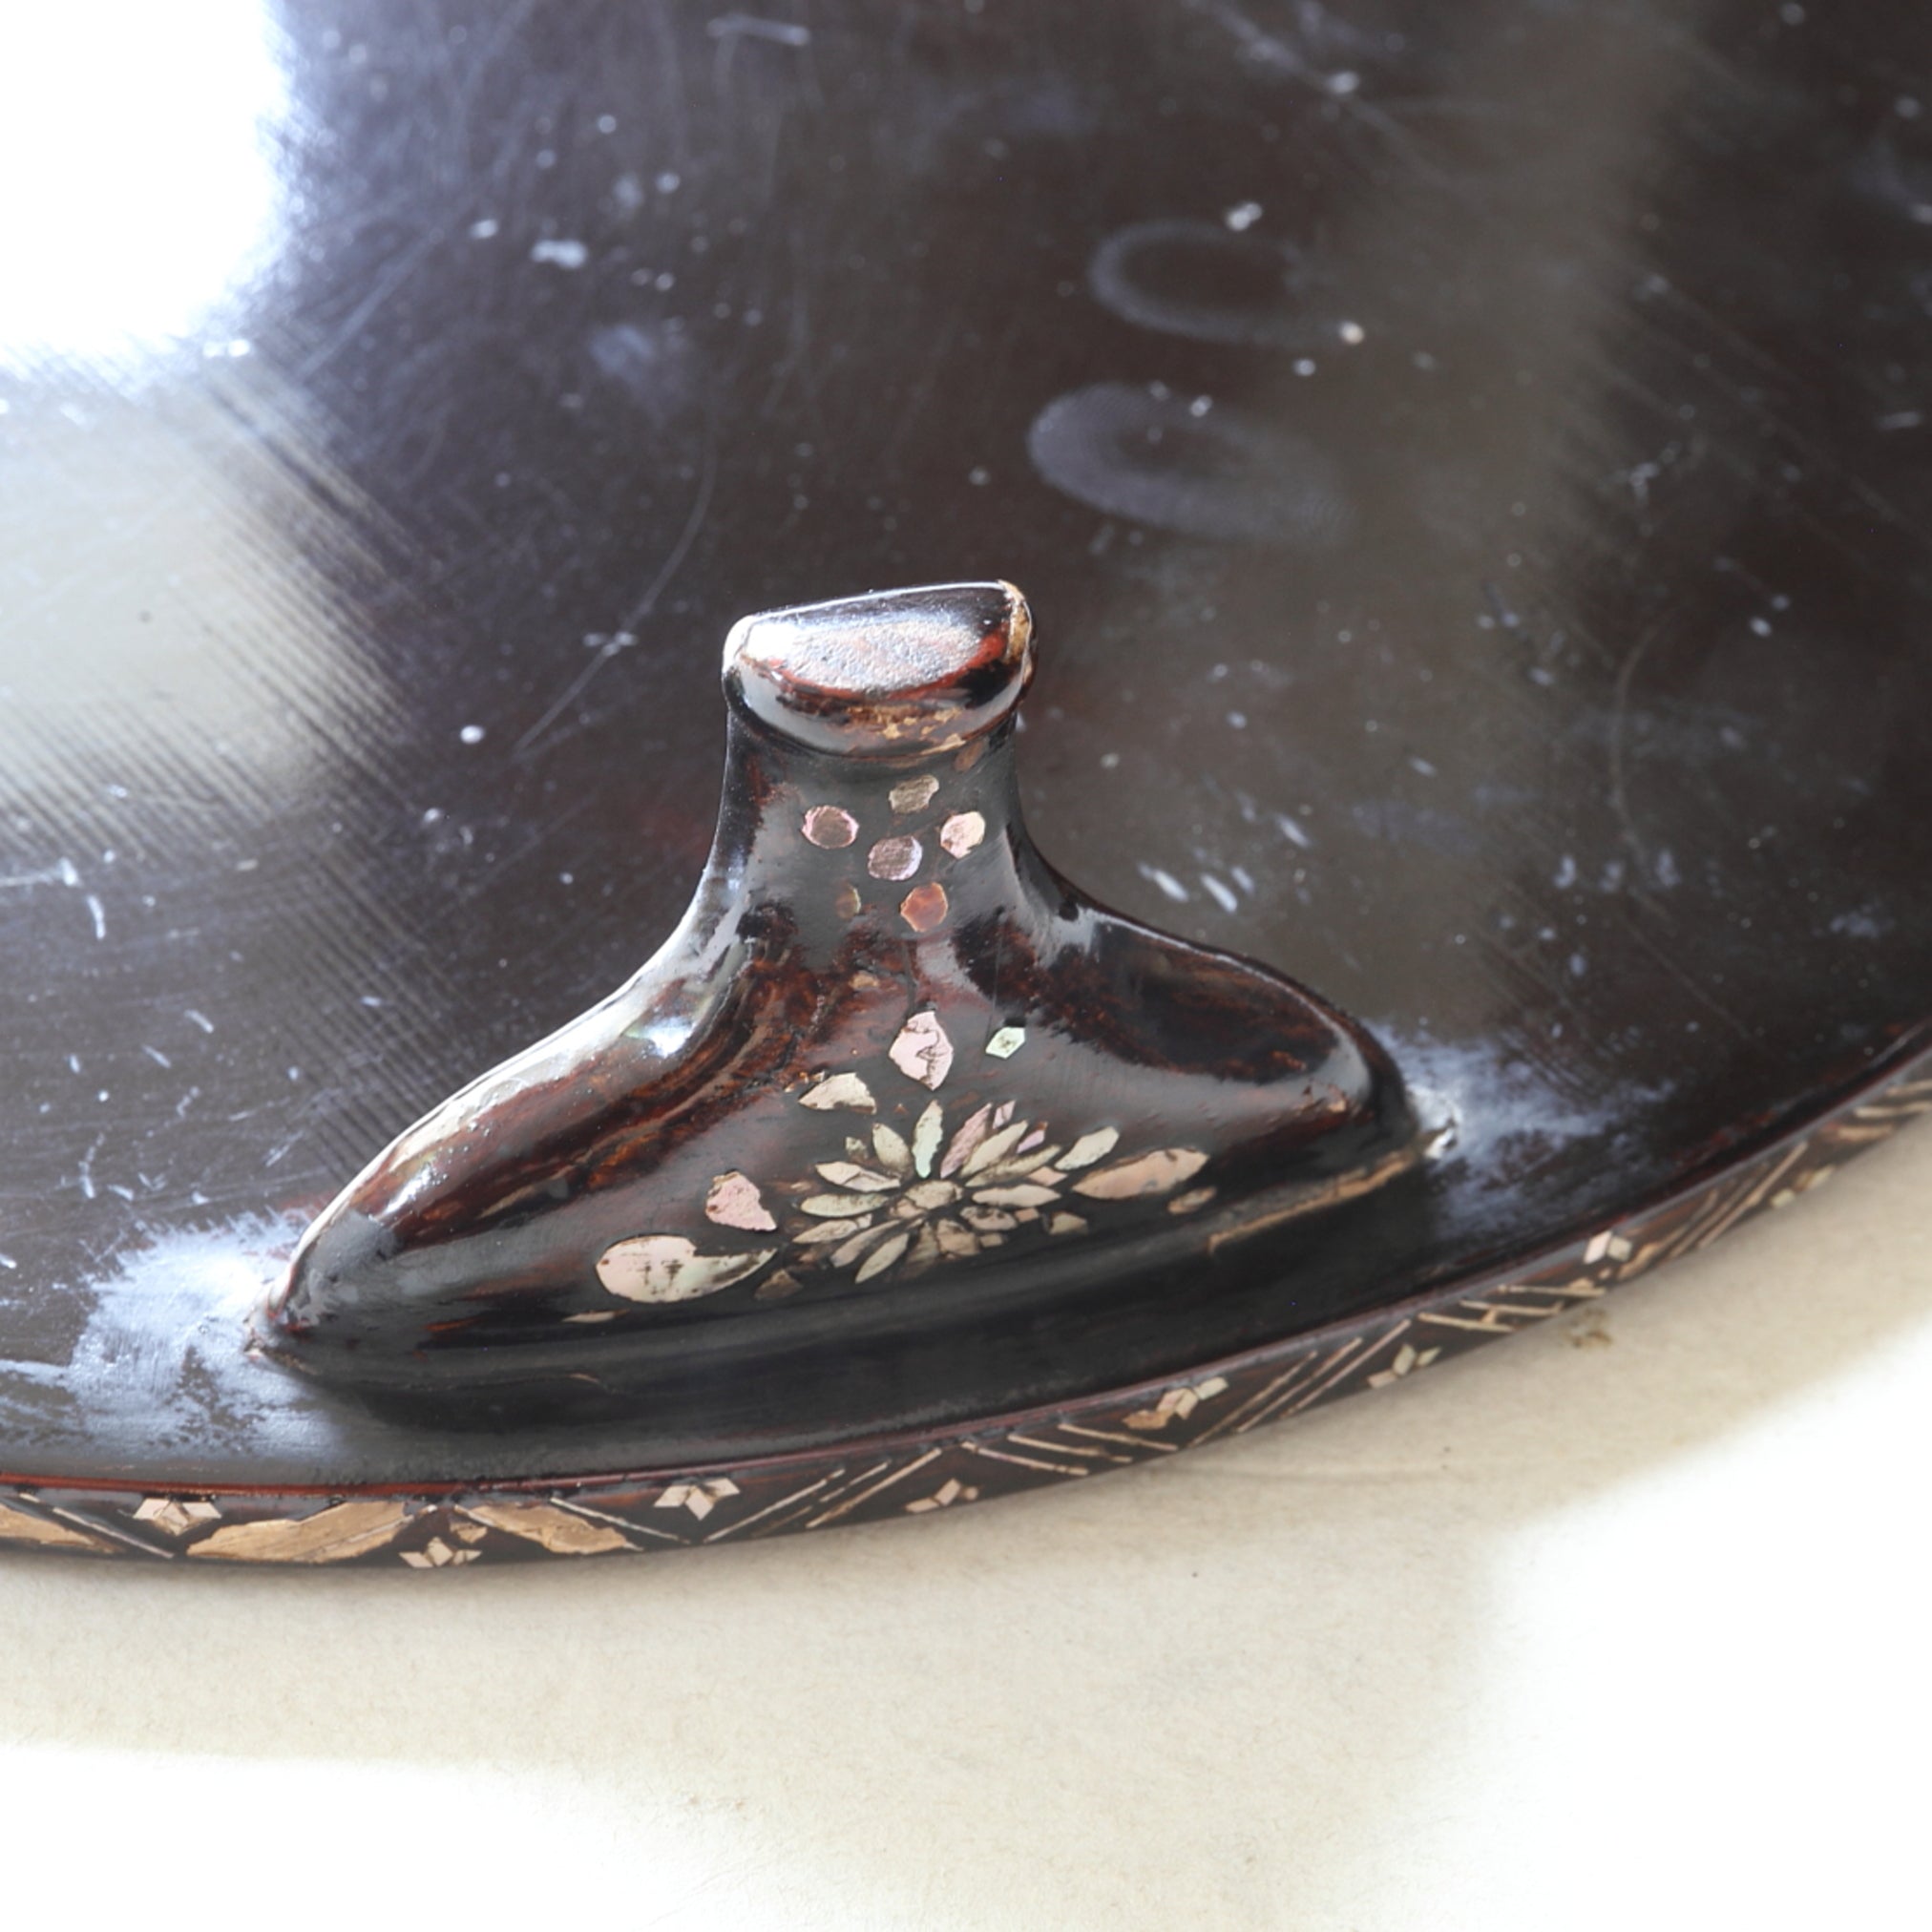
x: 1620, y: 1623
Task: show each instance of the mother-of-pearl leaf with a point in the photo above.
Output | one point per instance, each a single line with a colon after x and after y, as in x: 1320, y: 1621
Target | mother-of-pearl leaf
x: 1018, y: 1165
x: 735, y: 1202
x: 331, y: 1534
x: 967, y: 1140
x: 883, y: 1256
x: 922, y: 1051
x: 559, y: 1531
x: 891, y: 1147
x: 860, y: 1180
x: 1089, y: 1148
x: 994, y: 1146
x: 1015, y: 1197
x: 1160, y: 1173
x: 666, y: 1268
x: 839, y: 1090
x: 832, y: 1230
x: 926, y: 1137
x: 832, y: 1207
x: 850, y: 1251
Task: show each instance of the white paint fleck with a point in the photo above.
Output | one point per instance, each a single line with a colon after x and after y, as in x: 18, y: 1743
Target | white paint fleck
x: 1167, y: 883
x: 1352, y: 333
x: 473, y: 734
x: 1344, y: 83
x: 201, y: 1020
x: 99, y: 915
x: 1219, y: 893
x: 483, y: 230
x: 1243, y: 216
x: 781, y: 33
x: 567, y: 253
x: 1866, y: 922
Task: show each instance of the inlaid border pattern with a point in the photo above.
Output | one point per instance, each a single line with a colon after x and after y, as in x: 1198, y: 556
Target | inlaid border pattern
x: 438, y: 1527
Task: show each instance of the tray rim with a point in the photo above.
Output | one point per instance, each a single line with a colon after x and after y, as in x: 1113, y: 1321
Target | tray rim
x: 435, y: 1524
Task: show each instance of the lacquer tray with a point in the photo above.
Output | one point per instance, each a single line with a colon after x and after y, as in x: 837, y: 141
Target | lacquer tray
x: 1470, y: 478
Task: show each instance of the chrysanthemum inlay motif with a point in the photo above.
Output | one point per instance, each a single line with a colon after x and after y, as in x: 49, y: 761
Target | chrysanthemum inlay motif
x: 901, y: 1200
x: 905, y: 1204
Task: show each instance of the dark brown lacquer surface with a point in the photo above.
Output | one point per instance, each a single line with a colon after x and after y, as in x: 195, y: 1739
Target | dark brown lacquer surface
x: 886, y: 1045
x: 1474, y: 467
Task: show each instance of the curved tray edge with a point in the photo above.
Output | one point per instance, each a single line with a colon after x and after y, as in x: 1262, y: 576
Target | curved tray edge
x: 432, y: 1526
